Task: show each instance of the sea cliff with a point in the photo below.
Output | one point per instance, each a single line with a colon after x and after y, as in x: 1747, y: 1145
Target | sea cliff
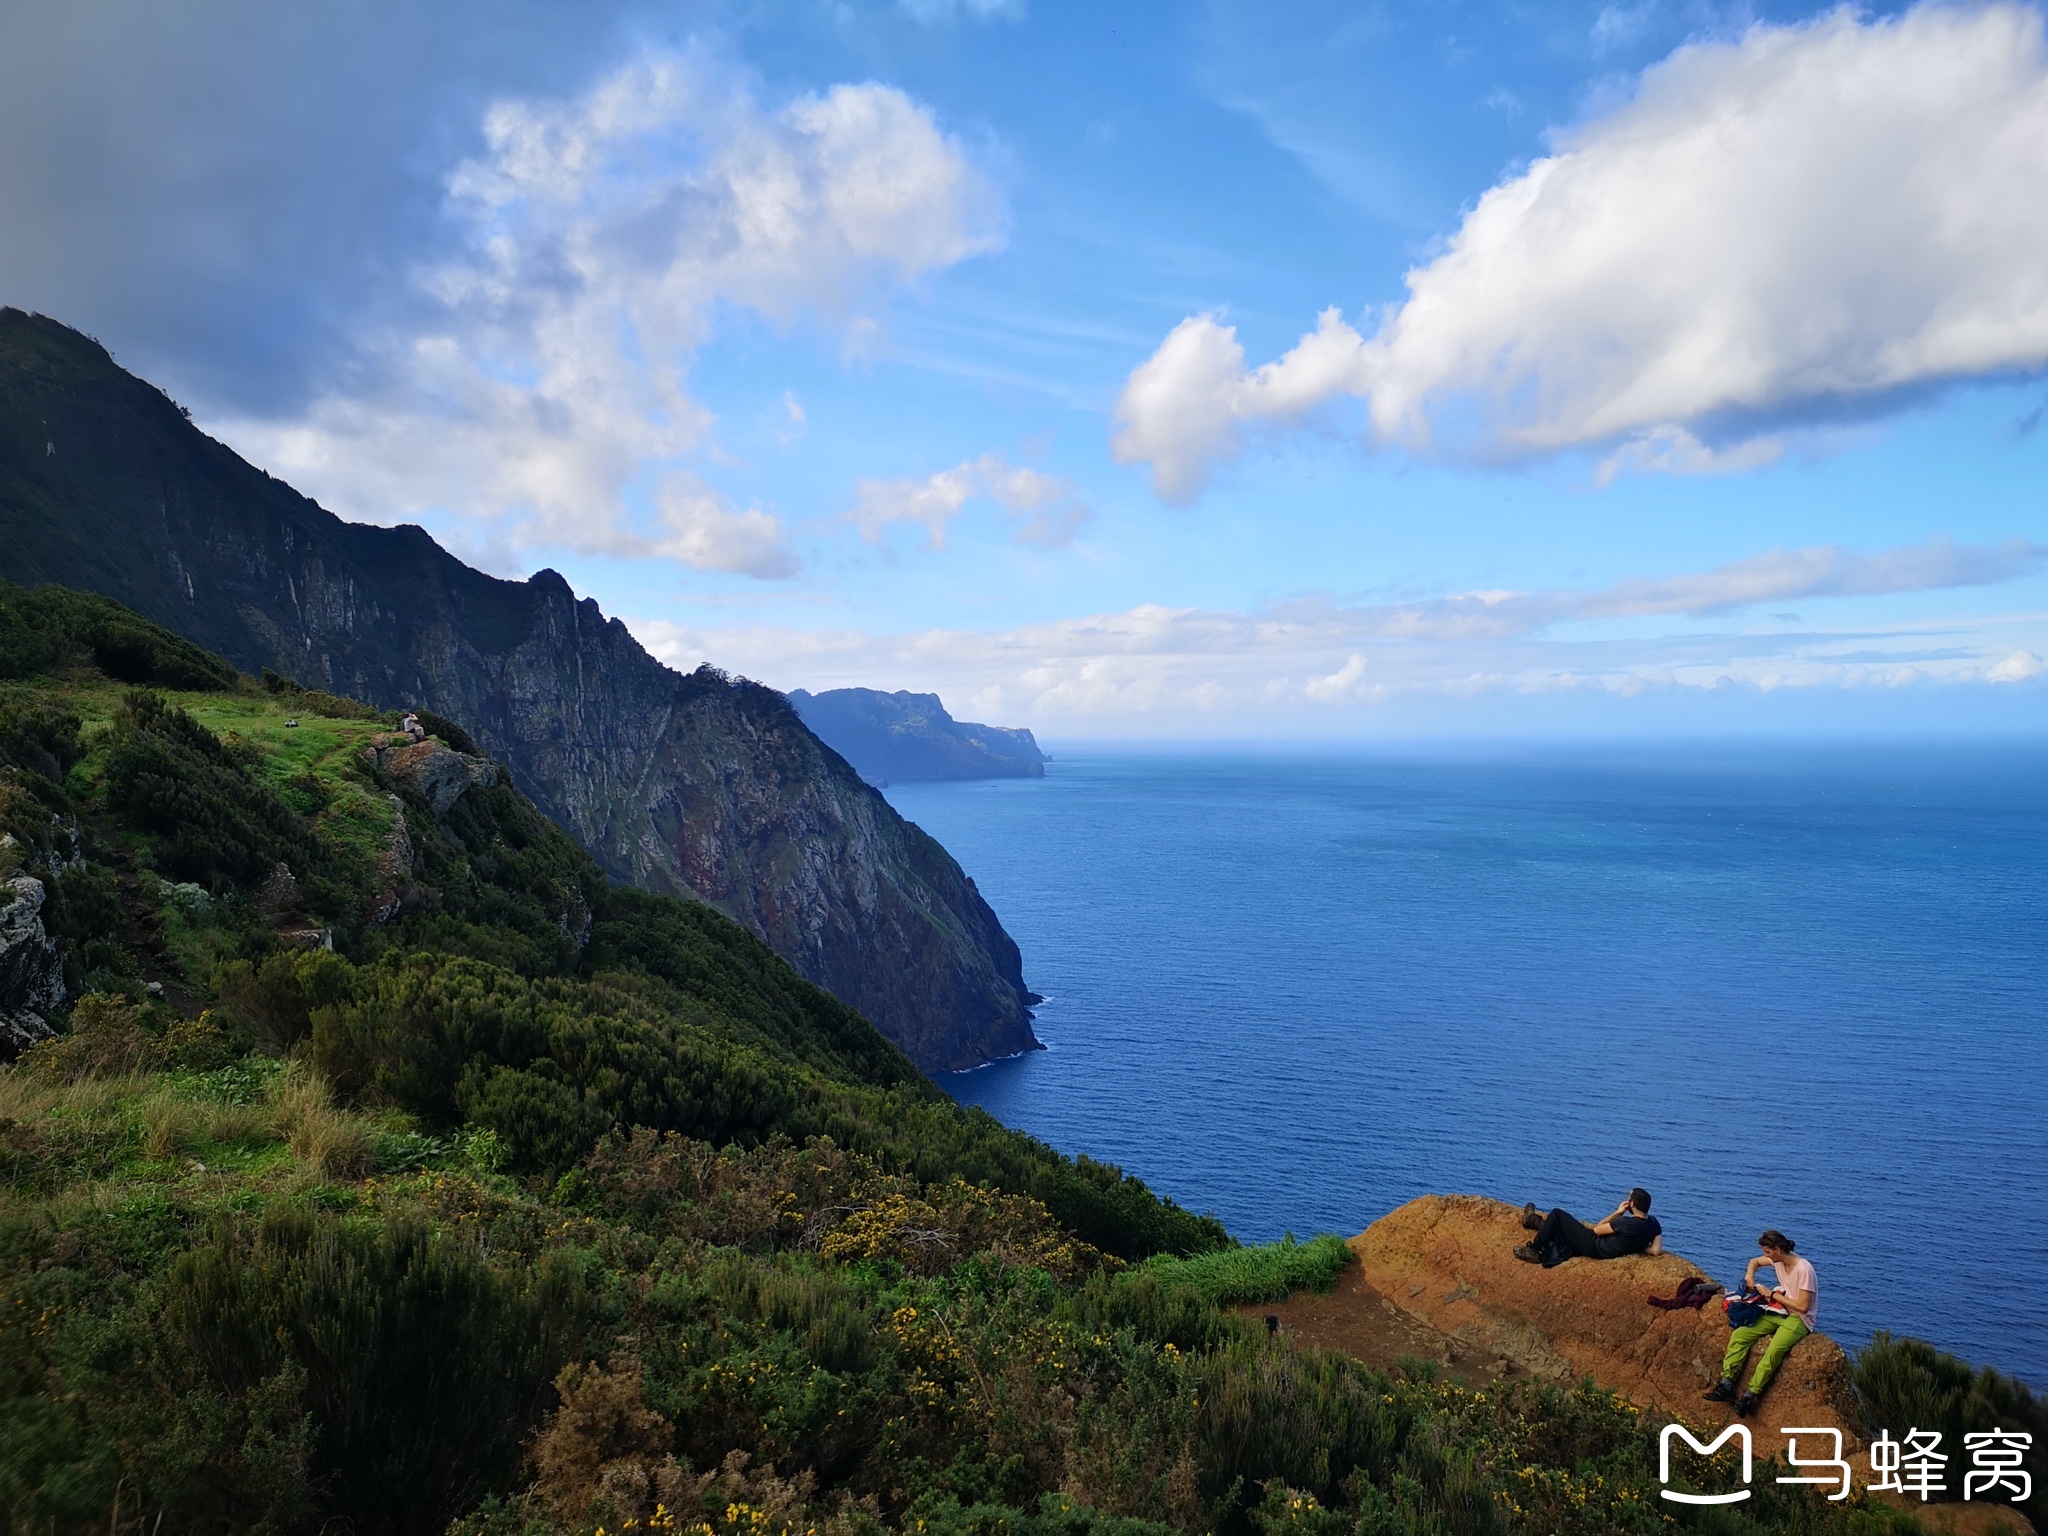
x: 700, y: 785
x: 904, y: 737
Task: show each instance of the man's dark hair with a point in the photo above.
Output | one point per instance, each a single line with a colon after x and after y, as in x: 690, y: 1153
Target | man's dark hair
x: 1773, y: 1238
x: 1640, y: 1199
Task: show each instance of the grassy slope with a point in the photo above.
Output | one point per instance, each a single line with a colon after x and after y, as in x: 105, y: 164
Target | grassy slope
x: 468, y: 1223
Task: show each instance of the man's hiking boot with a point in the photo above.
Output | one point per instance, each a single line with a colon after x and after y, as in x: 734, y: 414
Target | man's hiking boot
x: 1531, y: 1217
x: 1745, y: 1405
x: 1722, y: 1391
x: 1527, y: 1254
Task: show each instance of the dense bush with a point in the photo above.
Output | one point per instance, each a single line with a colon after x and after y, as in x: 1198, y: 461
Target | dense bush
x: 1904, y: 1384
x: 449, y: 732
x: 417, y: 1365
x: 52, y: 625
x: 39, y: 736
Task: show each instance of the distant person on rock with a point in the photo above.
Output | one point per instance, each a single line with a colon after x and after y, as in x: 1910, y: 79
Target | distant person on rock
x: 411, y: 726
x: 1628, y: 1228
x: 1798, y: 1292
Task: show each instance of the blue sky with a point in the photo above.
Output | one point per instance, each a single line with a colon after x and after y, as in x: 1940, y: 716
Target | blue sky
x: 1337, y: 371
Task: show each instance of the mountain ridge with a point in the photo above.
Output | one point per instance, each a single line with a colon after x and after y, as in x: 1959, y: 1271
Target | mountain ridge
x: 698, y: 785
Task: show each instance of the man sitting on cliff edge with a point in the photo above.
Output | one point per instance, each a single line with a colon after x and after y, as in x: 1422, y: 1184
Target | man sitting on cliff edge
x: 1628, y: 1228
x: 1798, y: 1292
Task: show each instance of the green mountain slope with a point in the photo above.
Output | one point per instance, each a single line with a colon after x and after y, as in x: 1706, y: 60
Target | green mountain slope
x: 536, y: 1205
x: 701, y: 786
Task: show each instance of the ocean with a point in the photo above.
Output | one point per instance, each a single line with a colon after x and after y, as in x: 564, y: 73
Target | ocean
x: 1777, y: 987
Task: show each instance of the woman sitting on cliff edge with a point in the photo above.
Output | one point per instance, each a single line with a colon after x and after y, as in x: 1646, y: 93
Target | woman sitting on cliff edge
x: 1628, y: 1228
x: 1798, y: 1292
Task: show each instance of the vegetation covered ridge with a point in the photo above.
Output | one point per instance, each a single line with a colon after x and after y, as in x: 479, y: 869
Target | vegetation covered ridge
x: 389, y: 1170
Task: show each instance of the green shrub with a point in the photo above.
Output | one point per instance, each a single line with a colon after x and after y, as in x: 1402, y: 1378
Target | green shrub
x: 449, y: 732
x: 1268, y: 1272
x: 39, y: 736
x: 42, y: 628
x: 1903, y: 1384
x: 417, y: 1365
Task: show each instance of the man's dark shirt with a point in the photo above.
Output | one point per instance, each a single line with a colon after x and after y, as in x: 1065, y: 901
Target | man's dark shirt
x: 1631, y: 1234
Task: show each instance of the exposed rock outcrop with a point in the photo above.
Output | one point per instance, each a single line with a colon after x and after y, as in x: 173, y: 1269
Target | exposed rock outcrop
x: 698, y: 785
x: 438, y: 774
x: 31, y: 967
x: 1448, y: 1260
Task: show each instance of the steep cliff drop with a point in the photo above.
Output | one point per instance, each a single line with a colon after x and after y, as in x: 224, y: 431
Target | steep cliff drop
x: 700, y: 785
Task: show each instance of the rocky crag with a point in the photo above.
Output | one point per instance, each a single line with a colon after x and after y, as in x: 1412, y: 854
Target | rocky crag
x: 900, y: 738
x: 31, y: 965
x: 703, y: 785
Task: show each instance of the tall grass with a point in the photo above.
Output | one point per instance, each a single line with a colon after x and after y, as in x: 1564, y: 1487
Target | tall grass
x: 331, y: 1141
x: 1267, y: 1272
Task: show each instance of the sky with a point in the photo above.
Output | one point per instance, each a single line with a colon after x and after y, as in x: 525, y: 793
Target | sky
x: 1205, y: 371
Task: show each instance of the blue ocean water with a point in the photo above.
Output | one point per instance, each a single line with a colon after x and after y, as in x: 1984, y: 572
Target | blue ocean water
x: 1790, y: 988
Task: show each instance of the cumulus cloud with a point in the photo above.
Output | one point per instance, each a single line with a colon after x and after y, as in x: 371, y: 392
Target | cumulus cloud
x: 698, y: 529
x: 1307, y: 659
x: 1046, y: 509
x: 602, y: 233
x: 2020, y: 667
x: 1808, y: 222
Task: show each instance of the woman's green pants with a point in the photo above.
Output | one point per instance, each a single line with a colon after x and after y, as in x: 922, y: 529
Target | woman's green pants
x: 1784, y: 1331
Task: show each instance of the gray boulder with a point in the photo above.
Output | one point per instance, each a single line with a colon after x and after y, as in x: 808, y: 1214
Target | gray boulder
x: 31, y: 967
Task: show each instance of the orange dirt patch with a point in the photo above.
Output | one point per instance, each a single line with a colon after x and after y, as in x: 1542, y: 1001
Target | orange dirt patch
x: 1356, y: 1320
x: 1448, y: 1260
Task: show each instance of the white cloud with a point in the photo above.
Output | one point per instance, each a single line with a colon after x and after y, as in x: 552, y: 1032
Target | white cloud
x: 1047, y: 509
x: 1810, y: 221
x: 603, y: 232
x: 931, y: 503
x: 2021, y: 666
x: 1155, y: 667
x: 1340, y: 684
x: 699, y: 530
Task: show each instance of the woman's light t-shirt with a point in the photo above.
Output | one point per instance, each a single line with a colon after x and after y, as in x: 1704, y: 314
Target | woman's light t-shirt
x: 1795, y: 1274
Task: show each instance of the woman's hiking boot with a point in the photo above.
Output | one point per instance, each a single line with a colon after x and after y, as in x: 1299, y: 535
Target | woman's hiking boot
x: 1745, y: 1405
x: 1527, y: 1254
x: 1531, y: 1217
x: 1722, y: 1391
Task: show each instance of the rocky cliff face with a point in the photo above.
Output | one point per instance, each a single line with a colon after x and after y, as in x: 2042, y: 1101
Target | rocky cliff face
x: 31, y: 967
x: 702, y: 786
